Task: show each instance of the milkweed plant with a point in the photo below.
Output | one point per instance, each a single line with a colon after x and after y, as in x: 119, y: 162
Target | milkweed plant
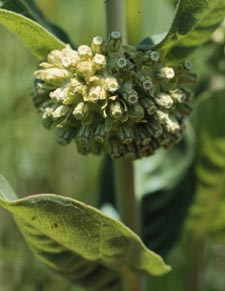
x: 124, y: 102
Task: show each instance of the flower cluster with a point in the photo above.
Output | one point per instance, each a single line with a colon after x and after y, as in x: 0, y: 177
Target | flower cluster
x: 113, y: 98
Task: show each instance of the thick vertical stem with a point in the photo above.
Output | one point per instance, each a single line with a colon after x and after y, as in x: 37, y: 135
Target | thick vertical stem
x: 126, y: 199
x: 123, y: 168
x: 116, y: 17
x: 124, y: 176
x: 129, y: 212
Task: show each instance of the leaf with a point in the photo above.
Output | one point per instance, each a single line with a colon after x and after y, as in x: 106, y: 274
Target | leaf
x: 164, y: 213
x: 207, y: 215
x: 33, y: 35
x: 78, y: 241
x: 148, y: 42
x: 29, y: 9
x: 193, y: 25
x: 167, y: 167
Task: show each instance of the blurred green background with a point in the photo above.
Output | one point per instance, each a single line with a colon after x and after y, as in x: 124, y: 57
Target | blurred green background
x: 33, y: 162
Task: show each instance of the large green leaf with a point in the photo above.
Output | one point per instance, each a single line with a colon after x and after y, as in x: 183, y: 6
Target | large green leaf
x: 33, y: 35
x: 193, y: 24
x: 207, y: 216
x: 29, y: 9
x: 79, y: 241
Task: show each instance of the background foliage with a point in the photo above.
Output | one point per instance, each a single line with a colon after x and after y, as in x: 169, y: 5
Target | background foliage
x: 32, y: 161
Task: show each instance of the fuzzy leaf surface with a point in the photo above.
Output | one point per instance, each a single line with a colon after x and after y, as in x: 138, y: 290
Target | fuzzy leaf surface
x: 193, y: 24
x: 78, y: 241
x: 207, y: 215
x: 30, y: 9
x: 32, y: 34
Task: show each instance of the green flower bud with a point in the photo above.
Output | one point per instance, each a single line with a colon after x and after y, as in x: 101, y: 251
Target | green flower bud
x: 97, y: 148
x: 136, y: 112
x: 143, y: 135
x: 187, y: 65
x: 66, y: 135
x: 85, y: 134
x: 83, y: 148
x: 81, y: 111
x: 115, y: 148
x: 115, y: 41
x: 146, y: 83
x: 151, y: 56
x: 100, y: 133
x: 189, y: 95
x: 126, y: 134
x: 148, y: 105
x: 156, y: 130
x: 131, y: 97
x: 121, y: 63
x: 154, y: 56
x: 129, y: 151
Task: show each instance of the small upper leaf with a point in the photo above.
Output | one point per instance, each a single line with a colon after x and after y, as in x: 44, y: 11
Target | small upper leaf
x: 79, y: 241
x: 193, y: 25
x: 33, y: 35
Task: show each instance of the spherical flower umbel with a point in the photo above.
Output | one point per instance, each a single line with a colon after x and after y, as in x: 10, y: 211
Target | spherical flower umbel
x: 113, y: 98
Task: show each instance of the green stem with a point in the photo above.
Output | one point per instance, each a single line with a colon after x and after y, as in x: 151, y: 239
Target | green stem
x: 129, y: 213
x: 125, y: 193
x: 197, y: 253
x: 123, y: 168
x: 116, y: 17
